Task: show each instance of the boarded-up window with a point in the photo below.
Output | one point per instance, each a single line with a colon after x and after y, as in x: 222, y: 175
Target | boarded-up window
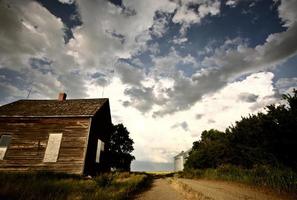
x: 4, y: 143
x: 53, y: 147
x: 100, y: 147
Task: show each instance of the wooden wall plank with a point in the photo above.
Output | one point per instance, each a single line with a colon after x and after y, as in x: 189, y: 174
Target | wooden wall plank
x: 29, y: 140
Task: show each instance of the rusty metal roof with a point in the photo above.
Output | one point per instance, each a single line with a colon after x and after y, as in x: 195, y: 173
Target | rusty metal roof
x: 52, y: 108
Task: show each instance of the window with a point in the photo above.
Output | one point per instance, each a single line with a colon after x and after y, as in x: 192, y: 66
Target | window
x: 100, y: 147
x: 53, y: 147
x: 4, y: 143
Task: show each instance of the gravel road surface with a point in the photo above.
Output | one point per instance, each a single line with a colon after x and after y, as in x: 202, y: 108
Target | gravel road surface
x: 189, y: 189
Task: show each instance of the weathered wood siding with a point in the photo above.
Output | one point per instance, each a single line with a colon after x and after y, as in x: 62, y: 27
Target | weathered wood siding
x: 29, y: 140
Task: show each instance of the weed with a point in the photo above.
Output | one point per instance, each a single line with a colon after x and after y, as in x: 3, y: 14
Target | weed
x: 52, y: 186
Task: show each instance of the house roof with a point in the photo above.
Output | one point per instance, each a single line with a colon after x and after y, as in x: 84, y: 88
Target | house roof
x: 52, y: 108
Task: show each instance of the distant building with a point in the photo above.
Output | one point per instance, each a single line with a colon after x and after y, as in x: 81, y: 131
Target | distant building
x: 55, y: 135
x: 180, y: 160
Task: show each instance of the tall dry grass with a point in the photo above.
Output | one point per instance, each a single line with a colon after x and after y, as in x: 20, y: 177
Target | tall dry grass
x: 50, y: 186
x: 283, y: 180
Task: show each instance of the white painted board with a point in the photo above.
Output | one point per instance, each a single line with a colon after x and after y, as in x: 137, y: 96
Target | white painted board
x: 53, y: 147
x: 100, y: 147
x: 4, y: 143
x: 2, y: 152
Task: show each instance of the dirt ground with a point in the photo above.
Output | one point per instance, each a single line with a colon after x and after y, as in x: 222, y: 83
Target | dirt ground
x: 222, y: 190
x: 188, y: 189
x: 160, y: 190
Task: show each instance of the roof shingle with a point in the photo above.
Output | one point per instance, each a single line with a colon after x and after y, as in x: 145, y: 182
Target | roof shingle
x: 50, y: 108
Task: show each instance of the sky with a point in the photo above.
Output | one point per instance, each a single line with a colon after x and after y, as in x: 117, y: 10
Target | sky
x: 170, y: 69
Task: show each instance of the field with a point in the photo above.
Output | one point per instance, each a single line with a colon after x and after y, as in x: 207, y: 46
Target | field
x: 46, y: 186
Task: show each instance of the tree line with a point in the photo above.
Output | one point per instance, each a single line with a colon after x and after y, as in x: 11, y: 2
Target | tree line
x: 266, y: 138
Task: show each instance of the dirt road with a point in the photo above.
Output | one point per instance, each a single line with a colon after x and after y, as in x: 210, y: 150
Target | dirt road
x: 160, y: 190
x: 187, y: 189
x: 222, y: 190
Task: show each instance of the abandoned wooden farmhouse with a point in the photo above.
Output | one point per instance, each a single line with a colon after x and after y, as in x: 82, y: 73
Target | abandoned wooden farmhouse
x: 55, y: 135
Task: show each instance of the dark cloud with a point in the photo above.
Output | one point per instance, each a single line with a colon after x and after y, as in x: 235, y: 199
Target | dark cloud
x: 73, y: 84
x: 129, y: 74
x: 267, y: 100
x: 140, y: 98
x: 14, y: 78
x: 13, y: 85
x: 100, y: 79
x: 9, y: 93
x: 126, y: 103
x: 116, y: 35
x: 248, y: 97
x: 184, y: 125
x: 199, y: 116
x: 211, y: 121
x: 41, y: 64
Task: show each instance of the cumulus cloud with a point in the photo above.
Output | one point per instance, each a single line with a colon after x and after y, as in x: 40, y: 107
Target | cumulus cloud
x: 287, y: 12
x: 94, y: 43
x: 67, y: 1
x: 33, y: 45
x: 222, y: 107
x: 24, y: 35
x: 232, y: 3
x: 159, y: 26
x: 286, y: 85
x: 158, y: 92
x: 192, y: 12
x: 227, y: 64
x: 104, y: 37
x: 180, y: 40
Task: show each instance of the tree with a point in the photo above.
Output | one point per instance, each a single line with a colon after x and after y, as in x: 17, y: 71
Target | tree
x: 120, y: 148
x: 268, y: 138
x: 211, y: 151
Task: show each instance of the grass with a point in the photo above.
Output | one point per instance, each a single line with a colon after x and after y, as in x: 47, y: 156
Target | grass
x: 282, y: 180
x: 159, y: 172
x: 49, y: 186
